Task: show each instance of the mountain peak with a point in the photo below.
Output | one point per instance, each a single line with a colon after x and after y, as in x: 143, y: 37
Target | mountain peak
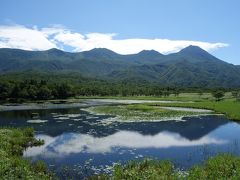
x: 55, y: 51
x: 100, y: 53
x: 191, y: 67
x: 101, y: 50
x: 149, y: 52
x: 193, y: 49
x: 195, y: 54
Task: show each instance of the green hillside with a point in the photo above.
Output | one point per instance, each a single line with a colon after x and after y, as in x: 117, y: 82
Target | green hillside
x: 191, y: 67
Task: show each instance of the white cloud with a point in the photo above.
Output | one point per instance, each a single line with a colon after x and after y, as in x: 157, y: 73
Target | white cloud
x: 33, y: 38
x: 24, y: 38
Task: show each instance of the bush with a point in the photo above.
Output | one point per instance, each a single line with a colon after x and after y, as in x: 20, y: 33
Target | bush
x: 218, y: 95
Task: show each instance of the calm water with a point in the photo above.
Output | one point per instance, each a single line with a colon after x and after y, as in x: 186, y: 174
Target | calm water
x: 79, y: 144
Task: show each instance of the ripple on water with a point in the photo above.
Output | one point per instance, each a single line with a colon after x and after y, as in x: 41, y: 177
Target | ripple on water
x: 37, y: 121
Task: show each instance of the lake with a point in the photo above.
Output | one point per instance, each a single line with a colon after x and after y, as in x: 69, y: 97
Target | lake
x: 79, y: 144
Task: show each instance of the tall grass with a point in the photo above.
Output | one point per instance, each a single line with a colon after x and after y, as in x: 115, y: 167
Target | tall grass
x: 229, y: 108
x: 223, y: 166
x: 12, y: 165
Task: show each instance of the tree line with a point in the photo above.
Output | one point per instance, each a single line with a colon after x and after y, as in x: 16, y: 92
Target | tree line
x: 44, y: 90
x: 34, y: 90
x: 44, y: 87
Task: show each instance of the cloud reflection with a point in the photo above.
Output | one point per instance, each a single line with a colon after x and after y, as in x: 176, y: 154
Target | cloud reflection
x: 76, y: 143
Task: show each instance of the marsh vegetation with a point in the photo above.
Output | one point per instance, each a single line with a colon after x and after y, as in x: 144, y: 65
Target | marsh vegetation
x: 145, y: 112
x: 12, y: 165
x: 222, y: 166
x: 138, y: 115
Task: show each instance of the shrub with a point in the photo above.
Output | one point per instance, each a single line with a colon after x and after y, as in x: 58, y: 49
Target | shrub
x: 218, y: 95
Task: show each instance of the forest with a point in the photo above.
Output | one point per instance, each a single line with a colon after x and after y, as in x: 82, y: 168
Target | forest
x: 32, y: 86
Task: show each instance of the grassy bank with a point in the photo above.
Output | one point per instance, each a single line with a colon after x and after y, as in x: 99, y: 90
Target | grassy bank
x: 140, y: 112
x: 171, y: 97
x: 12, y: 164
x: 223, y: 166
x: 229, y: 108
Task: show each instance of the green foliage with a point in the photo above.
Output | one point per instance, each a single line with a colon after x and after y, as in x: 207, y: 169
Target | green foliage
x: 223, y: 166
x: 218, y: 95
x: 191, y: 67
x: 42, y: 86
x: 236, y: 95
x: 146, y: 169
x: 44, y: 92
x: 34, y: 90
x: 99, y: 177
x: 64, y: 90
x: 16, y: 87
x: 220, y: 167
x: 139, y: 112
x: 12, y: 165
x: 226, y: 107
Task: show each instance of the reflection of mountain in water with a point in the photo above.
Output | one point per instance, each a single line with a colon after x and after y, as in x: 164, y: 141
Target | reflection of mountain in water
x: 69, y: 143
x: 74, y: 120
x: 192, y: 128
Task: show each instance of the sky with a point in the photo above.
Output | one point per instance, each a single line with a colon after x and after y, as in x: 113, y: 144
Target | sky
x: 124, y: 26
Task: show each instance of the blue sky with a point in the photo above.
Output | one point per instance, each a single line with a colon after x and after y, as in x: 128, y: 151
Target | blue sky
x: 76, y: 25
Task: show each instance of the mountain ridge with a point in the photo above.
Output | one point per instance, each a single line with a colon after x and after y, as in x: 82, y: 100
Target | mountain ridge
x: 191, y: 66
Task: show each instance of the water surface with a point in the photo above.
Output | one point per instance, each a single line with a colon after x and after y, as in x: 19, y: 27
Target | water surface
x: 79, y: 144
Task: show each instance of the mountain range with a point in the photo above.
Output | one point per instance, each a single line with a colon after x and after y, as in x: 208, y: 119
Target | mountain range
x: 190, y: 67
